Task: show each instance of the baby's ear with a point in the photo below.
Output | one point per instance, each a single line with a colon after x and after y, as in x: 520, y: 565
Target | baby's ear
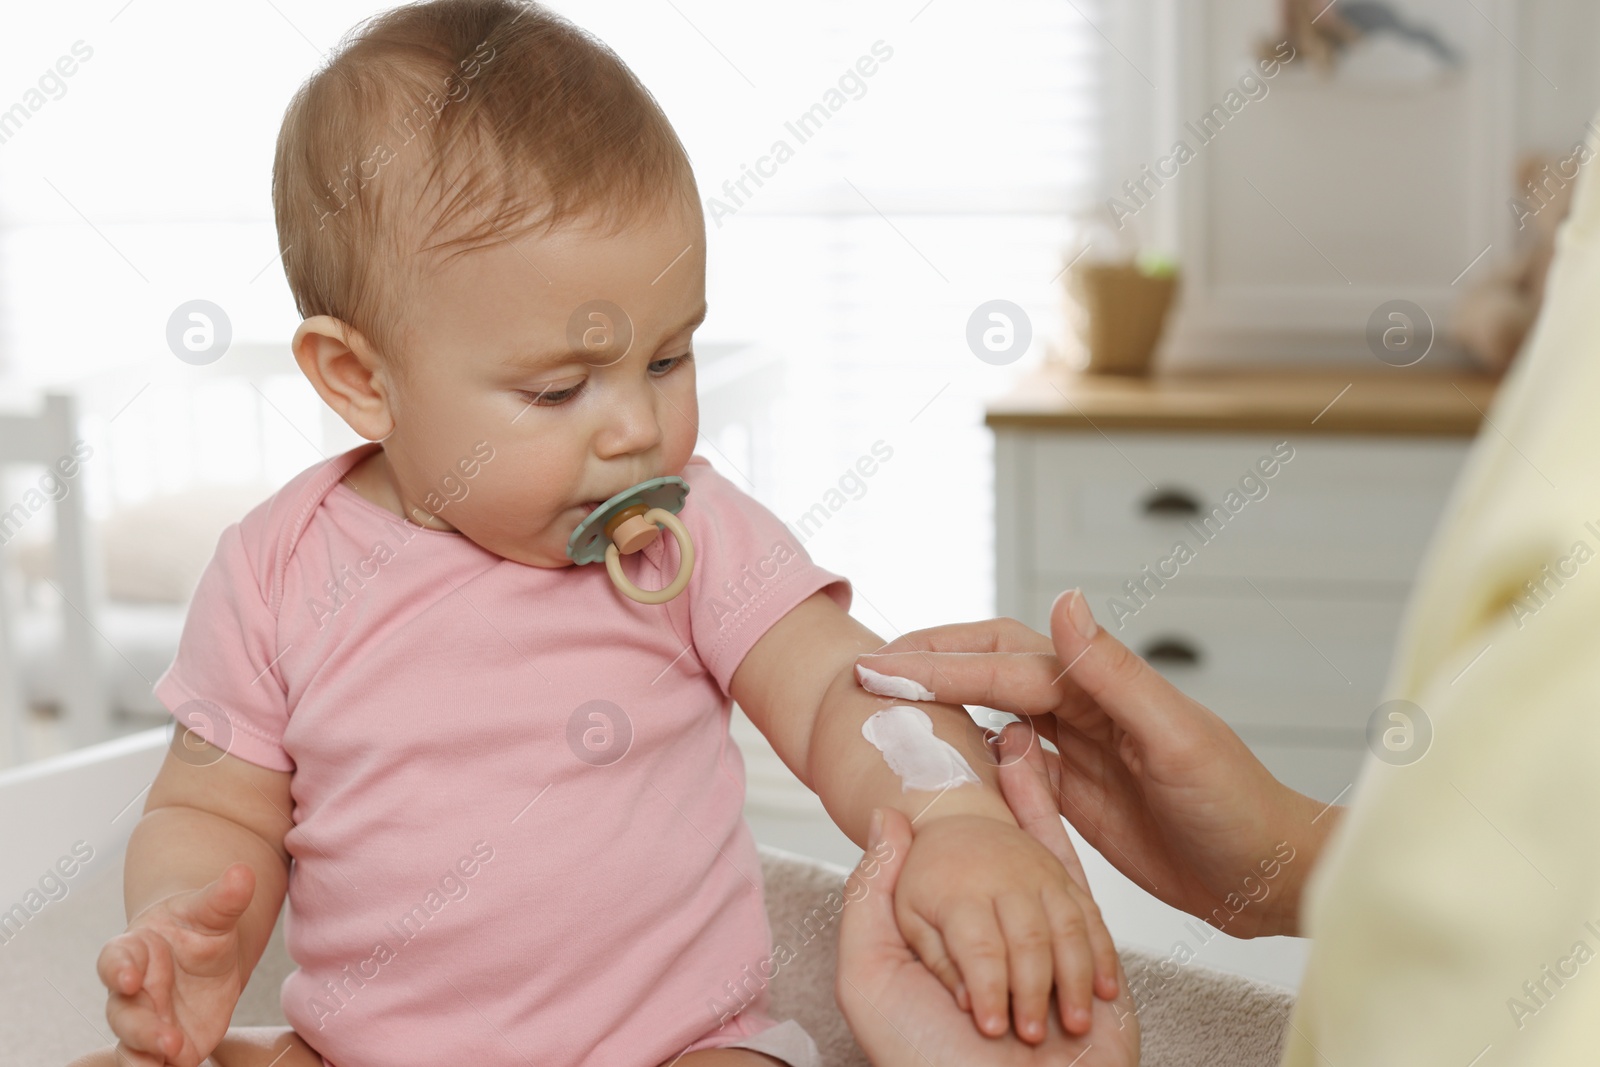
x: 346, y: 372
x: 320, y: 329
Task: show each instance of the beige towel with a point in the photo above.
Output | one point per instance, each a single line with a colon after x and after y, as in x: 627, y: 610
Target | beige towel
x: 54, y: 1007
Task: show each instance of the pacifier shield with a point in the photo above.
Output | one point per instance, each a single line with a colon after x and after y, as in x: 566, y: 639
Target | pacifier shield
x: 588, y: 542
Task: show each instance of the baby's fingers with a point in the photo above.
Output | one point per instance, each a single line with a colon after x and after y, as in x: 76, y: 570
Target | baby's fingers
x: 215, y: 908
x: 1029, y: 945
x: 144, y: 1017
x: 122, y: 964
x: 139, y: 1028
x: 128, y: 1057
x: 1074, y: 961
x: 979, y: 949
x: 1102, y: 949
x: 930, y: 948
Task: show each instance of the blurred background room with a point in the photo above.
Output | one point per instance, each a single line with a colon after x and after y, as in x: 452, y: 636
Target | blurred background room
x: 1087, y: 279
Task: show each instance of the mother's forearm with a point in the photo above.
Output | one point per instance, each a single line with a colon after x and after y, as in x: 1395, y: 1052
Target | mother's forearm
x: 1309, y: 839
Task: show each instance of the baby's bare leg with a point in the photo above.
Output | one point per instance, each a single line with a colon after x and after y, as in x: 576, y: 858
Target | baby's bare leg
x: 245, y: 1046
x: 262, y: 1046
x: 725, y: 1057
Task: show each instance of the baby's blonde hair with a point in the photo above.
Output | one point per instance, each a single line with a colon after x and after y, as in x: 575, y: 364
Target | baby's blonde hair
x: 520, y: 120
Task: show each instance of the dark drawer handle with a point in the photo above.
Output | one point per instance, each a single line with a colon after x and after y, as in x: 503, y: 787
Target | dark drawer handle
x: 1170, y: 504
x: 1171, y: 652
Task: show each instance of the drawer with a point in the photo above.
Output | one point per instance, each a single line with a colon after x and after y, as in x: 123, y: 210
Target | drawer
x: 1337, y: 509
x: 1313, y: 666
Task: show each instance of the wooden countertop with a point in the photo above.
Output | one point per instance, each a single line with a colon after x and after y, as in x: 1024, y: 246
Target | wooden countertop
x: 1385, y: 401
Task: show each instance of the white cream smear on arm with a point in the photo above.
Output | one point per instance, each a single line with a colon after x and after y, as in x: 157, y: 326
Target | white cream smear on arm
x: 888, y: 685
x: 921, y: 758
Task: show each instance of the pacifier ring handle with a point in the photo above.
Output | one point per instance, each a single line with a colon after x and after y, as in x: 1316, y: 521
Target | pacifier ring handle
x: 679, y: 583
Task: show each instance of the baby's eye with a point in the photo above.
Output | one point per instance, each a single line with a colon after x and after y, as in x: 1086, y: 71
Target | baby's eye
x: 666, y: 366
x: 551, y: 397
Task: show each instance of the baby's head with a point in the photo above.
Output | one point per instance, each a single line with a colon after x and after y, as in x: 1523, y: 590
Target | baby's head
x: 454, y: 192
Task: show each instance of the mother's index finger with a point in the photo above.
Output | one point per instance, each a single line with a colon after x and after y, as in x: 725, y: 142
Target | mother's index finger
x: 1025, y: 784
x: 1022, y: 683
x: 987, y: 635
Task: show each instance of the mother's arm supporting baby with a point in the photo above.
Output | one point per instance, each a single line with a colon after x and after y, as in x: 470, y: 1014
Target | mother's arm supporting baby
x: 988, y: 909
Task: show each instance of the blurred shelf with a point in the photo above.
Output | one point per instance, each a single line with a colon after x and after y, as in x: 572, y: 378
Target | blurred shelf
x: 1385, y: 402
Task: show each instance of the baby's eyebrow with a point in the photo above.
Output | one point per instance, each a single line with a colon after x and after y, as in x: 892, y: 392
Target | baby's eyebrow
x: 536, y: 360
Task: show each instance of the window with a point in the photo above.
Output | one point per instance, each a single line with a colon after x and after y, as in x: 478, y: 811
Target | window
x: 947, y: 178
x: 943, y: 178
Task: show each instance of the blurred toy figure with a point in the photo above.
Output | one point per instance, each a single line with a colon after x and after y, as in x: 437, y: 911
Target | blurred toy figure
x: 1323, y: 29
x: 1495, y: 316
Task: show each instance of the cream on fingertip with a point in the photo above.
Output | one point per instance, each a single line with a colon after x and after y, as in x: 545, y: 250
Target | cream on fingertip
x: 889, y: 685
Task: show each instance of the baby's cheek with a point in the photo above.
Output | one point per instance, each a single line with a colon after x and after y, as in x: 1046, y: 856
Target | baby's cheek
x: 678, y: 458
x: 680, y: 427
x: 454, y: 488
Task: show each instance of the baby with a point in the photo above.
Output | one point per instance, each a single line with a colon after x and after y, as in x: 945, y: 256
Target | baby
x: 500, y: 796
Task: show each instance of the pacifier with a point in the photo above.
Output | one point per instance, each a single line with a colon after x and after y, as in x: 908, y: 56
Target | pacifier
x: 627, y: 523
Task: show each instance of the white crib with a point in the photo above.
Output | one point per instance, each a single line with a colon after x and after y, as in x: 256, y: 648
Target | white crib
x: 49, y: 439
x: 179, y: 452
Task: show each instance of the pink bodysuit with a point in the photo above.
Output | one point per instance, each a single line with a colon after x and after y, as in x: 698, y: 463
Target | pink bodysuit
x: 518, y: 832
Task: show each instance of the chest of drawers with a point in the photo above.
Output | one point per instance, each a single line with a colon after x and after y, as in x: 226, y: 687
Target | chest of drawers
x: 1253, y: 543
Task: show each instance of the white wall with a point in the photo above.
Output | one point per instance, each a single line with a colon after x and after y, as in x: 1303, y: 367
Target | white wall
x: 1319, y: 201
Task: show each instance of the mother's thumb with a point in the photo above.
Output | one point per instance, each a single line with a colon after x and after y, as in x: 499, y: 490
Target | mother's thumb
x: 869, y: 921
x: 1125, y: 687
x: 1026, y: 785
x: 887, y: 845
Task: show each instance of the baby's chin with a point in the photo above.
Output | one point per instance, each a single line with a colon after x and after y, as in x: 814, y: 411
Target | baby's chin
x: 544, y: 549
x: 535, y: 555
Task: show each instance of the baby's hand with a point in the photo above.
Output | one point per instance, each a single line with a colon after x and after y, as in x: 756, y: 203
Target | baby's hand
x: 991, y: 912
x: 175, y: 974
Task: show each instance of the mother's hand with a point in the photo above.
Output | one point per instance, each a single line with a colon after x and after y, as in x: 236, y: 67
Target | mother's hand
x: 899, y: 1011
x: 1153, y: 780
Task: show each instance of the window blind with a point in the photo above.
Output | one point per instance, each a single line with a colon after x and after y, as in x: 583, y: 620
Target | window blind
x: 945, y: 177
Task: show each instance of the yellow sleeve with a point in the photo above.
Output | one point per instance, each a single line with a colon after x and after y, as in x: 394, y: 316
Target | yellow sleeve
x: 1455, y: 916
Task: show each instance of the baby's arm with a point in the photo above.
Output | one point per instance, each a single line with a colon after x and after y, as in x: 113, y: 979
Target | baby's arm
x: 798, y: 685
x: 204, y: 879
x: 985, y: 906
